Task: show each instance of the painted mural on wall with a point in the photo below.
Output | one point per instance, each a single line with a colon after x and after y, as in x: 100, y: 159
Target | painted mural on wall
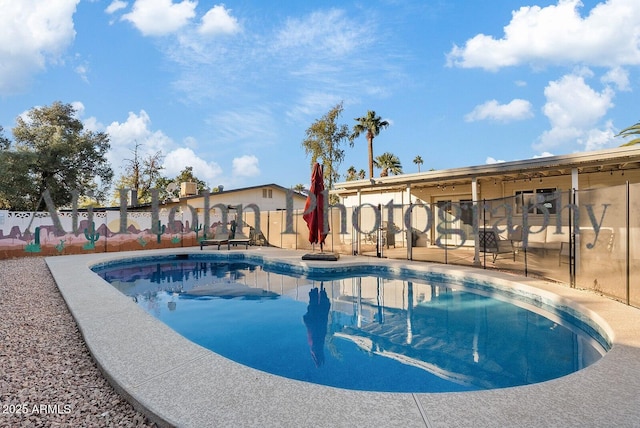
x: 28, y: 233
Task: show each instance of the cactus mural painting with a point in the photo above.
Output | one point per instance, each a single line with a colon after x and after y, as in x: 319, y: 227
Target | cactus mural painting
x: 73, y: 232
x: 34, y: 247
x: 161, y: 229
x: 197, y: 229
x: 91, y: 236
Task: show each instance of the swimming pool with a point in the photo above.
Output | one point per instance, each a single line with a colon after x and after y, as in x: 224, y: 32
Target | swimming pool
x: 372, y: 328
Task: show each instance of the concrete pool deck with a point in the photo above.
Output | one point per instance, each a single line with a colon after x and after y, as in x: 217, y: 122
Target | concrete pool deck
x: 179, y: 383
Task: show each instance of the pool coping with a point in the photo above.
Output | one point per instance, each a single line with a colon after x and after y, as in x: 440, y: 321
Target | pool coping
x: 178, y: 383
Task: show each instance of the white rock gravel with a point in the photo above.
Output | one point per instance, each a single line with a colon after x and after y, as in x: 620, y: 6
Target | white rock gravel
x: 47, y: 376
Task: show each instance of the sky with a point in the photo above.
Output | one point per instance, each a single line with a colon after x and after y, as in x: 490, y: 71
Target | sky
x: 230, y: 88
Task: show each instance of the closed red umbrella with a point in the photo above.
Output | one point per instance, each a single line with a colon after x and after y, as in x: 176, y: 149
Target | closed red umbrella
x: 314, y: 213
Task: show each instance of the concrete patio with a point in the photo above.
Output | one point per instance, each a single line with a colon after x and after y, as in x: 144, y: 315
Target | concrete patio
x: 178, y: 383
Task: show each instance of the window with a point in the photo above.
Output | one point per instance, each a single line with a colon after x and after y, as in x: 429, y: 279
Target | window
x: 534, y: 200
x: 524, y: 198
x: 267, y: 193
x: 547, y: 198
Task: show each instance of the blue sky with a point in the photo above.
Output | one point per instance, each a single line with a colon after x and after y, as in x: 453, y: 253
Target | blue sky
x: 230, y: 88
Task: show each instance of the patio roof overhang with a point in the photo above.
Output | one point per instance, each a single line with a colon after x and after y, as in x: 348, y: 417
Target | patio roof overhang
x: 618, y: 159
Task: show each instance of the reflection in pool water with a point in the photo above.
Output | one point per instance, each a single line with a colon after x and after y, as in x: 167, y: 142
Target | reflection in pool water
x: 376, y: 333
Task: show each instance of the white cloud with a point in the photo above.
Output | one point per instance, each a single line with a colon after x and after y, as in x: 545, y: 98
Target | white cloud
x: 543, y: 155
x: 78, y: 106
x: 573, y: 109
x: 571, y: 102
x: 490, y: 160
x: 91, y: 123
x: 619, y: 77
x: 324, y: 54
x: 82, y: 71
x: 596, y: 139
x: 178, y: 159
x: 160, y: 17
x: 312, y: 102
x: 135, y: 130
x: 330, y: 33
x: 218, y: 20
x: 517, y: 109
x: 252, y: 128
x: 33, y: 34
x: 246, y: 166
x: 557, y: 34
x: 115, y: 6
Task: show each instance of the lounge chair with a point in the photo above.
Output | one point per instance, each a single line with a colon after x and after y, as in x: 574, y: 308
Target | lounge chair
x: 239, y: 238
x: 220, y: 237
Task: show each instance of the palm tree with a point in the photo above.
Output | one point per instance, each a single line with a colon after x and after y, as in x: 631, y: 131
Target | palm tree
x: 371, y: 124
x: 389, y: 163
x: 632, y: 130
x: 361, y: 174
x: 300, y: 188
x: 418, y: 161
x: 351, y: 173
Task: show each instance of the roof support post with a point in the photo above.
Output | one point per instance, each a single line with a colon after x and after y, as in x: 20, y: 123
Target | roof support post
x: 574, y: 192
x: 476, y: 219
x: 409, y: 227
x: 358, y: 249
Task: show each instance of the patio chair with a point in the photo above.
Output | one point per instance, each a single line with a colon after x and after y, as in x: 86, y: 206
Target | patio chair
x: 491, y: 242
x: 220, y: 237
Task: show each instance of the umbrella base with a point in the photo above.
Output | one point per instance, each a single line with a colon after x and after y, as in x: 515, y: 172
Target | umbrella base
x: 328, y: 257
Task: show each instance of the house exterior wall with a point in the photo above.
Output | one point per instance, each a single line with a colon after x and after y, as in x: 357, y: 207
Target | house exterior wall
x: 266, y: 198
x: 498, y: 193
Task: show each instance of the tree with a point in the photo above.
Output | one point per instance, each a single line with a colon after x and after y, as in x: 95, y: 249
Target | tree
x: 185, y: 176
x: 627, y: 132
x: 351, y: 173
x: 299, y: 188
x: 52, y: 152
x: 141, y: 175
x: 322, y: 142
x: 389, y: 163
x: 11, y: 176
x: 4, y: 141
x: 371, y: 124
x: 418, y: 161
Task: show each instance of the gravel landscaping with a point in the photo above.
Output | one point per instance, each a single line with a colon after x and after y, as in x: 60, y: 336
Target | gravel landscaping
x: 47, y: 375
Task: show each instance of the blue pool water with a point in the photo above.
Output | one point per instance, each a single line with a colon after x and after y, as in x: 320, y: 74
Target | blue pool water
x: 365, y: 332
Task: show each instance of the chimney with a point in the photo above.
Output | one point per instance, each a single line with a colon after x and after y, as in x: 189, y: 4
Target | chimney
x: 188, y: 189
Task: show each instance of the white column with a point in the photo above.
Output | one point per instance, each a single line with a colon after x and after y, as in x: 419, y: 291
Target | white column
x: 476, y: 219
x: 359, y: 222
x: 575, y: 186
x: 409, y: 234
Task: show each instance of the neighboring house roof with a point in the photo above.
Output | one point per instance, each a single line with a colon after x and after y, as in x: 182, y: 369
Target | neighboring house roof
x: 144, y: 207
x: 618, y: 159
x: 244, y: 189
